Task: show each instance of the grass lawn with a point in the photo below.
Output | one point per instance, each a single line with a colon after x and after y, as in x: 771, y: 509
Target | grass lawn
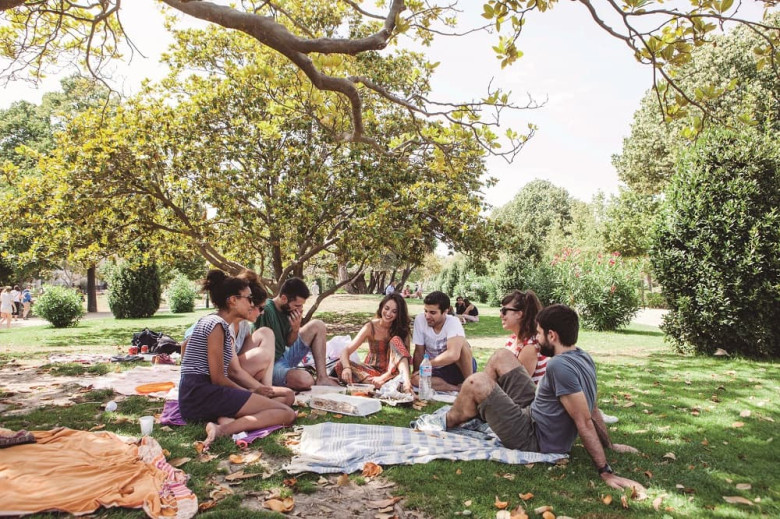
x: 705, y: 427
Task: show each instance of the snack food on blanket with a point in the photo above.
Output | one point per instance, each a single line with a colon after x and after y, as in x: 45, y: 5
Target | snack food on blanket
x: 343, y: 404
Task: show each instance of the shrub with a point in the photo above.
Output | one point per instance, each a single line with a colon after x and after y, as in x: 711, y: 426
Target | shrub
x: 134, y: 291
x: 181, y: 294
x: 716, y: 248
x: 603, y: 289
x: 514, y: 273
x: 655, y: 300
x: 61, y: 306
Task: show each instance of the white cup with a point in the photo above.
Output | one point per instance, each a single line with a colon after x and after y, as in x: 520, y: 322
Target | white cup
x: 147, y: 424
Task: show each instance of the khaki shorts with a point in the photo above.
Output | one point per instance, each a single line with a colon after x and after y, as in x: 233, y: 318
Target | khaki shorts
x: 508, y: 410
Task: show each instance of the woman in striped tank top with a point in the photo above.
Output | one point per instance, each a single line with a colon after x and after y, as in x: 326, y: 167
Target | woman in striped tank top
x: 518, y: 315
x: 206, y: 392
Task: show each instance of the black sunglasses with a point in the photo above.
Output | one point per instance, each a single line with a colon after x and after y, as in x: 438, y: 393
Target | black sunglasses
x: 505, y: 309
x: 252, y: 301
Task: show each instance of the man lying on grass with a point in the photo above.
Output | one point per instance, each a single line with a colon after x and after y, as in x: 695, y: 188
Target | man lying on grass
x: 564, y: 404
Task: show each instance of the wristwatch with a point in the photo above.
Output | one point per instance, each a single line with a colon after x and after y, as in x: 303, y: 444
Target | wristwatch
x: 606, y: 468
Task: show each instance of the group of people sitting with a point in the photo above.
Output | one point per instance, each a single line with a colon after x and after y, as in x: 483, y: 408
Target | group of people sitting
x: 240, y: 367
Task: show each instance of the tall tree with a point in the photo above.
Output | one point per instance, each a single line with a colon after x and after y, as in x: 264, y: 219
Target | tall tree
x: 39, y: 32
x: 235, y: 163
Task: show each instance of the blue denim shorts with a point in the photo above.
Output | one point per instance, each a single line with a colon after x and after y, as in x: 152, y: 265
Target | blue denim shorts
x: 293, y: 356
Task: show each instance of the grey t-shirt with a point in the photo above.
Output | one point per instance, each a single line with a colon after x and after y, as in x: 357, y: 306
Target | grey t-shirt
x: 567, y: 373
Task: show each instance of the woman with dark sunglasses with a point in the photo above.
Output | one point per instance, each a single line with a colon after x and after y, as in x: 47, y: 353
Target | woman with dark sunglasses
x: 518, y: 315
x: 206, y: 391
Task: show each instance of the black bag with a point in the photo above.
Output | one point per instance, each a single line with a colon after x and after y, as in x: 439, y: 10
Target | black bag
x: 146, y: 337
x: 156, y: 342
x: 166, y: 345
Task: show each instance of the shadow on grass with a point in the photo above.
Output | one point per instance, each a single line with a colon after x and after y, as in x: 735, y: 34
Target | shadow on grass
x: 647, y: 333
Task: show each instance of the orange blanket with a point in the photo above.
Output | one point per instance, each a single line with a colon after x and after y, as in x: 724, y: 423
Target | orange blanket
x: 78, y: 472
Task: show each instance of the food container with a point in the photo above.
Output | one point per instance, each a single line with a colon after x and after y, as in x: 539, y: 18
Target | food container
x: 344, y: 404
x: 360, y: 389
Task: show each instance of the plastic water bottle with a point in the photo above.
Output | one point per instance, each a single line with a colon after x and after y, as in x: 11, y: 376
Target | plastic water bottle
x: 426, y: 371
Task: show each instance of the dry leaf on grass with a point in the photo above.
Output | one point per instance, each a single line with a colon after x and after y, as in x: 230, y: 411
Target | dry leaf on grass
x: 238, y: 475
x: 371, y: 470
x: 343, y: 480
x: 657, y: 502
x: 526, y: 496
x: 221, y: 492
x: 518, y: 513
x: 737, y: 500
x: 745, y: 413
x: 236, y: 459
x: 737, y: 425
x: 178, y: 462
x: 744, y: 486
x: 199, y: 447
x: 205, y: 457
x: 648, y: 474
x: 467, y: 503
x: 98, y: 427
x: 384, y: 503
x: 503, y: 514
x: 205, y: 505
x: 501, y: 504
x: 280, y: 505
x: 670, y: 455
x: 548, y: 515
x: 543, y: 509
x: 458, y: 472
x: 607, y: 500
x: 290, y: 482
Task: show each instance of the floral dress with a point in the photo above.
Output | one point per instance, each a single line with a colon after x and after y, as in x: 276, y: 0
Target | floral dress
x: 381, y: 354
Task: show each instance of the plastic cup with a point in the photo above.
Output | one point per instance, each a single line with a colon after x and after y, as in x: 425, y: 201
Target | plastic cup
x: 147, y: 424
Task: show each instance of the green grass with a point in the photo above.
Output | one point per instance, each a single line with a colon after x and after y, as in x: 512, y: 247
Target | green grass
x: 689, y: 407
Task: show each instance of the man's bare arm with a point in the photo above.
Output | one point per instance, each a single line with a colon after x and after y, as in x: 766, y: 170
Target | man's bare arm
x: 451, y: 355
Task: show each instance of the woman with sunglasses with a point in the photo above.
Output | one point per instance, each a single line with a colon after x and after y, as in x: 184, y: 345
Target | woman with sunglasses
x: 388, y: 347
x: 206, y: 392
x: 255, y: 348
x: 518, y: 315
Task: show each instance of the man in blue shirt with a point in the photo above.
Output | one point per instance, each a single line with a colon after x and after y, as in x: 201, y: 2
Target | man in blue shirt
x: 548, y: 420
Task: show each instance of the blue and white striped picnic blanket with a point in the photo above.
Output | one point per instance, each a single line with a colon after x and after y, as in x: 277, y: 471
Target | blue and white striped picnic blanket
x: 343, y: 447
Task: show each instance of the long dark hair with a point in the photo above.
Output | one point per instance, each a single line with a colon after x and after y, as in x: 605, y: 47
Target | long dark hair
x: 529, y: 304
x: 221, y: 286
x: 400, y: 327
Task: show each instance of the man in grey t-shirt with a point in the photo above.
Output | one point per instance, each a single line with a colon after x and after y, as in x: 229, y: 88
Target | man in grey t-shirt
x: 549, y: 420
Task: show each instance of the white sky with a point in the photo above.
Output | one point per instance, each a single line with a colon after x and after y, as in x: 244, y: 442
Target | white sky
x: 592, y: 83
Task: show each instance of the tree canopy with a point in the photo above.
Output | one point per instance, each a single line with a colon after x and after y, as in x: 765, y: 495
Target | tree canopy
x: 321, y: 39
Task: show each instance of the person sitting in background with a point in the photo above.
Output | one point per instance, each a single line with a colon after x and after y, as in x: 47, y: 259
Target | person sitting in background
x: 442, y: 338
x: 518, y: 315
x: 206, y: 392
x: 405, y: 292
x: 418, y: 291
x: 388, y: 347
x: 255, y: 349
x: 466, y: 311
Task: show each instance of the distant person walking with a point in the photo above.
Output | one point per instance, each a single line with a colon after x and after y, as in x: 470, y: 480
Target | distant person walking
x: 26, y: 302
x: 16, y: 297
x: 6, y: 307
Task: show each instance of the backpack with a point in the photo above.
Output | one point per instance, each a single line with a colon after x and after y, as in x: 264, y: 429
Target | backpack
x: 156, y: 342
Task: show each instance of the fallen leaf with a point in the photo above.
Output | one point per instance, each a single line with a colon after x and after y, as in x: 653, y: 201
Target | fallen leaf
x: 290, y: 482
x: 500, y: 504
x: 178, y: 462
x: 467, y: 503
x: 737, y: 500
x: 199, y: 447
x: 543, y: 509
x: 518, y: 513
x: 221, y: 492
x: 458, y: 472
x: 343, y: 480
x: 338, y: 416
x: 236, y: 459
x: 301, y: 414
x: 205, y: 505
x: 510, y: 477
x: 629, y: 404
x: 705, y: 442
x: 607, y: 500
x: 745, y: 414
x: 371, y: 470
x: 205, y: 457
x: 503, y: 514
x: 737, y: 425
x: 548, y: 515
x: 322, y: 481
x: 648, y: 474
x: 280, y: 505
x: 624, y: 501
x: 98, y: 427
x: 526, y: 496
x: 240, y: 474
x: 657, y: 503
x: 384, y: 503
x: 670, y: 455
x: 744, y: 486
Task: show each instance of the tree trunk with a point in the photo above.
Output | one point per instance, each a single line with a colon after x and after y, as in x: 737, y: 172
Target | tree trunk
x: 91, y: 290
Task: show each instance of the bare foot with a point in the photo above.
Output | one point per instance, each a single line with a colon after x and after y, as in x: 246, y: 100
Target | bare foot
x: 212, y: 432
x: 326, y: 381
